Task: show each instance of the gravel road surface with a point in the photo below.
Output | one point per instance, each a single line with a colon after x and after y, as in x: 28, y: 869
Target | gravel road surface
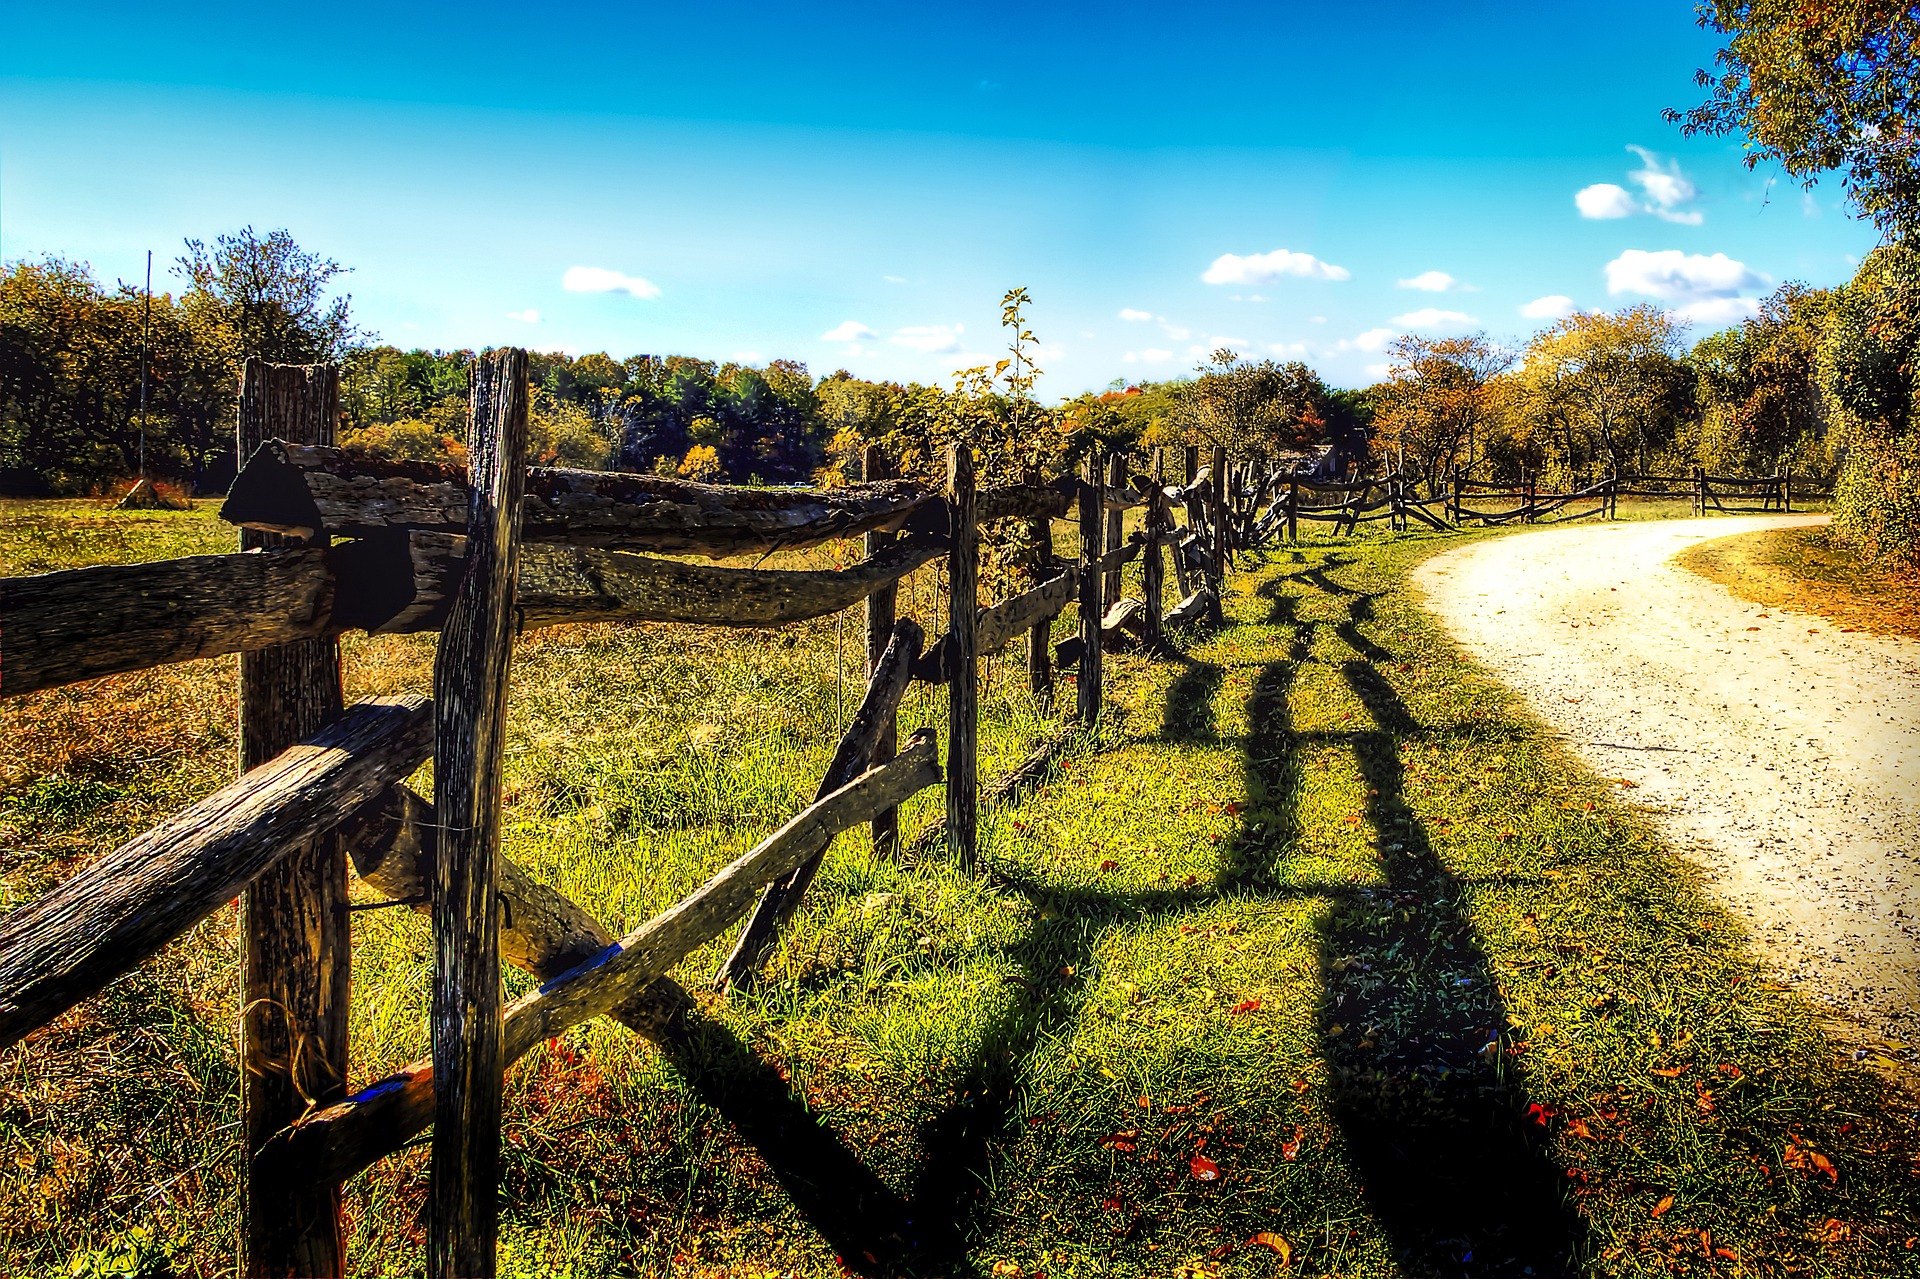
x: 1781, y: 753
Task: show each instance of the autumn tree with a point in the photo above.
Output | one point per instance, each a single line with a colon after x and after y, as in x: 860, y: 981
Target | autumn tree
x: 1438, y: 399
x: 1606, y: 389
x: 1252, y: 409
x: 1870, y: 371
x: 266, y: 296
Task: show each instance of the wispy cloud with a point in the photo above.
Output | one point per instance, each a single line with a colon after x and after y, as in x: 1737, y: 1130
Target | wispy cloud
x: 528, y: 316
x: 1431, y: 282
x: 1718, y: 312
x: 1135, y: 317
x: 1664, y: 193
x: 847, y: 331
x: 1433, y: 317
x: 598, y: 279
x: 1270, y: 268
x: 1554, y: 306
x: 934, y: 339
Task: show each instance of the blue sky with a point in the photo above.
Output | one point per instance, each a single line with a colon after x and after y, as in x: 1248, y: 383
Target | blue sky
x: 856, y: 186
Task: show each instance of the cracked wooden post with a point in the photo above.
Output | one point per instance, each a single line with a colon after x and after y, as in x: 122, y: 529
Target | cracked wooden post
x: 963, y: 688
x: 1153, y: 572
x: 293, y: 924
x: 884, y: 830
x: 470, y: 702
x: 1293, y: 503
x: 1039, y: 652
x: 1092, y: 608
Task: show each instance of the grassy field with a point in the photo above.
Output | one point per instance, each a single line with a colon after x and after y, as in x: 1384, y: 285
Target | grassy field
x: 1322, y: 959
x: 1801, y: 568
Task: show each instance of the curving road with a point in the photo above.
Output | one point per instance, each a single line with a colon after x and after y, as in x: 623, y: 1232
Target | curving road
x: 1780, y: 752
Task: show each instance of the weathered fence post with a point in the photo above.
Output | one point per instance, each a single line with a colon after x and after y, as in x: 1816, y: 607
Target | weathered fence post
x: 295, y: 957
x: 963, y: 687
x: 470, y: 703
x: 1217, y: 517
x: 884, y: 831
x: 1191, y: 459
x: 1039, y: 654
x: 1116, y: 479
x: 1786, y: 492
x: 1152, y: 572
x: 1293, y: 502
x: 1092, y: 610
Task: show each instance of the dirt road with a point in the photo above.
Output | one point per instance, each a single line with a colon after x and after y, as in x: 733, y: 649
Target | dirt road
x: 1782, y: 753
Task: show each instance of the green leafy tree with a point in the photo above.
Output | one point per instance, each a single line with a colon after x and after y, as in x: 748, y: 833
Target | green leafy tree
x: 1758, y: 387
x: 1870, y: 370
x: 266, y: 296
x: 1818, y: 85
x: 1602, y: 390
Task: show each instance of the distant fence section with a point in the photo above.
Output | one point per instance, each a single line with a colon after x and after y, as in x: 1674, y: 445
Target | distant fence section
x: 334, y: 541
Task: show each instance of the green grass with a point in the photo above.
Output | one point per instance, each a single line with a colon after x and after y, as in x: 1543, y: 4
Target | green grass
x: 1322, y: 906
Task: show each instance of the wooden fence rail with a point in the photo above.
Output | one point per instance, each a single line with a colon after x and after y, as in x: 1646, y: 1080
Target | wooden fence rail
x: 334, y: 541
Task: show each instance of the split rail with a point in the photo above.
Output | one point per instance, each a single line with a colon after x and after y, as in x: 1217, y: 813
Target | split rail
x: 332, y: 542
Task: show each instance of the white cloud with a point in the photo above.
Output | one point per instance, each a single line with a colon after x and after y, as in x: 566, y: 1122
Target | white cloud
x: 1718, y: 312
x: 1666, y: 188
x: 1431, y: 282
x: 1554, y: 306
x: 1378, y: 372
x: 747, y: 357
x: 1674, y: 276
x: 1605, y: 200
x: 528, y: 316
x: 1290, y: 350
x: 894, y: 279
x: 1270, y: 268
x: 1152, y: 355
x: 1432, y: 317
x: 1177, y: 332
x: 1374, y: 339
x: 1136, y: 317
x: 597, y: 279
x: 847, y: 331
x: 934, y: 339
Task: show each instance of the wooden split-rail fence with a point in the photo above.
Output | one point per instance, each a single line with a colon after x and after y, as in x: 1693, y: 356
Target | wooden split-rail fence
x: 332, y: 541
x: 1273, y: 505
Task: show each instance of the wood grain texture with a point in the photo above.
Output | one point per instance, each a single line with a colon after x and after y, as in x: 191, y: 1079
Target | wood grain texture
x: 884, y: 832
x: 70, y: 941
x: 962, y: 658
x: 1087, y: 684
x: 1030, y: 501
x: 335, y: 1143
x: 294, y: 947
x: 1153, y: 572
x: 470, y: 692
x: 286, y: 487
x: 857, y: 751
x: 1115, y: 530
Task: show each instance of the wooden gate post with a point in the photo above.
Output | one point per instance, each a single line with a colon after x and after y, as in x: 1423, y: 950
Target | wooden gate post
x: 295, y: 957
x: 1153, y: 572
x: 884, y: 831
x: 470, y: 714
x: 1116, y: 479
x: 963, y: 684
x: 1191, y: 457
x: 1039, y: 654
x: 1786, y: 492
x: 1293, y: 502
x: 1699, y: 490
x: 1092, y: 610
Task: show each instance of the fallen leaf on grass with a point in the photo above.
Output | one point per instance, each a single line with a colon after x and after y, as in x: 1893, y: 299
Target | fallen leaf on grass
x: 1834, y: 1231
x: 1670, y: 1072
x: 1273, y: 1243
x: 1662, y: 1206
x: 1109, y: 865
x: 1203, y: 1168
x: 1122, y: 1141
x: 1290, y: 1149
x: 1625, y: 782
x: 1246, y: 1006
x: 1578, y: 1128
x: 1809, y: 1161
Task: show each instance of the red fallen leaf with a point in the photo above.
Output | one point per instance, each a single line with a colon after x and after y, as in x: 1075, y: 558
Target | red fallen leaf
x: 1272, y: 1243
x: 1203, y: 1168
x: 1219, y: 1252
x: 1246, y: 1006
x: 1671, y: 1072
x: 1109, y: 865
x: 1731, y: 1072
x: 1809, y: 1161
x: 1403, y: 667
x: 1662, y: 1206
x: 1290, y: 1149
x: 1578, y: 1128
x: 1539, y: 1114
x: 1125, y: 1141
x: 1232, y: 810
x: 1189, y: 881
